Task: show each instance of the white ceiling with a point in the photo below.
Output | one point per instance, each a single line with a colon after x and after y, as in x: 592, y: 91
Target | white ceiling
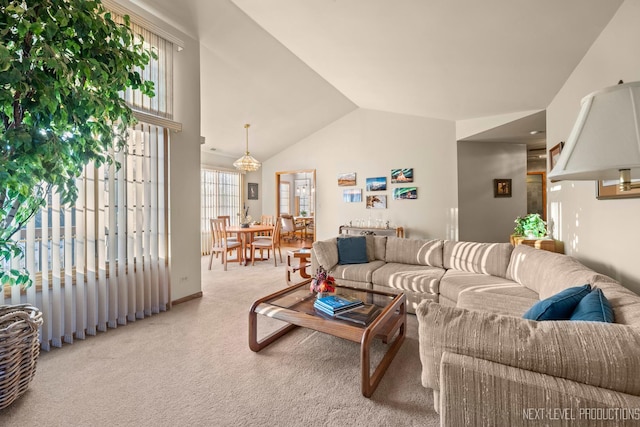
x: 290, y: 67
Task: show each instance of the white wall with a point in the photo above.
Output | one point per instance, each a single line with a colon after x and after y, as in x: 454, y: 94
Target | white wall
x: 601, y: 233
x: 184, y: 190
x: 483, y: 217
x: 371, y: 143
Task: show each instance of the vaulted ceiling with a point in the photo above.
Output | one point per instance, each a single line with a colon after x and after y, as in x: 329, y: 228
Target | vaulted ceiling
x: 291, y: 67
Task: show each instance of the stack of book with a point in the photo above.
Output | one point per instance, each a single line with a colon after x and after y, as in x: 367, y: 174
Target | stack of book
x: 335, y: 304
x: 361, y: 315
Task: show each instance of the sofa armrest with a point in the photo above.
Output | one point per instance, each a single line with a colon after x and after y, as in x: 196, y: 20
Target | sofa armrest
x: 519, y: 397
x: 324, y: 253
x: 599, y: 354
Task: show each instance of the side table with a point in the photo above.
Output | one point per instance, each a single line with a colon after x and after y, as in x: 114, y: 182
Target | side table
x: 550, y: 245
x: 395, y: 231
x: 303, y: 254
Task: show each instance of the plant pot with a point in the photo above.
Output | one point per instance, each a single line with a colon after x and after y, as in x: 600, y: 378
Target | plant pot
x: 244, y: 225
x: 19, y: 350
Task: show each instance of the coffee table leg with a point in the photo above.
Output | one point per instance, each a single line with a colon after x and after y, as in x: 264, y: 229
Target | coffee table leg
x: 256, y: 345
x: 370, y: 382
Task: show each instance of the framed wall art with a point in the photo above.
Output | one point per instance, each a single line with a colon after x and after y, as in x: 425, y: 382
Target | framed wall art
x: 376, y: 184
x: 252, y: 191
x: 347, y: 179
x: 501, y: 187
x: 402, y: 193
x: 554, y: 153
x: 377, y: 202
x: 352, y: 196
x: 399, y: 176
x: 609, y: 190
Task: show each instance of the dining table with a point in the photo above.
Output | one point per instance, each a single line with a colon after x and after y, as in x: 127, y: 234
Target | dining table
x: 246, y: 235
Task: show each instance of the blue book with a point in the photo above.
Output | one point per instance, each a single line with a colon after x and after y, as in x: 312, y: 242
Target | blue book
x: 337, y: 302
x: 339, y: 311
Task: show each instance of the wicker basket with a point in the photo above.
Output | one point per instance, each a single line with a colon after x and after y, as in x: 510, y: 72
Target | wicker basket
x: 19, y: 350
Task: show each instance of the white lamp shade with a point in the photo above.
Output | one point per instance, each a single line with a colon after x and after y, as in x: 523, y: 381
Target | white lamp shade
x: 605, y: 137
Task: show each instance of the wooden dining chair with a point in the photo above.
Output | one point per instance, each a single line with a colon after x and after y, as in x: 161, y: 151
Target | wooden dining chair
x: 310, y: 229
x: 269, y: 243
x: 227, y: 220
x: 289, y: 226
x: 265, y: 220
x: 220, y: 243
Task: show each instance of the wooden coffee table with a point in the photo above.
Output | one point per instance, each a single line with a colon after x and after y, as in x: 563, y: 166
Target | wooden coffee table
x: 294, y: 305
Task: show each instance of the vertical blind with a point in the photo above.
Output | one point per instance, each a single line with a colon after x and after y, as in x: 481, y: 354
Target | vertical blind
x: 219, y: 195
x: 104, y: 261
x: 160, y: 73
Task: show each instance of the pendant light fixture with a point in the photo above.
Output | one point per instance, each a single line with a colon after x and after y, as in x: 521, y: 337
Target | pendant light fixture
x: 246, y: 162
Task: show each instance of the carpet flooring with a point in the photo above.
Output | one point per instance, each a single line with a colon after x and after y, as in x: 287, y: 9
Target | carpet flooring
x: 192, y: 366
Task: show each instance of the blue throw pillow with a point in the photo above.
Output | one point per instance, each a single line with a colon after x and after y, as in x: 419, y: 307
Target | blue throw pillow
x: 559, y: 306
x: 594, y: 308
x: 352, y: 250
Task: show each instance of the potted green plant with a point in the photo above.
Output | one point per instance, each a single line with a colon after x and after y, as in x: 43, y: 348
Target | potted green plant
x: 63, y: 67
x: 530, y: 226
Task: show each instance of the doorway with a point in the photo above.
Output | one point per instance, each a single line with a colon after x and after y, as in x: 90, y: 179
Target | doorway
x: 296, y: 196
x: 537, y: 193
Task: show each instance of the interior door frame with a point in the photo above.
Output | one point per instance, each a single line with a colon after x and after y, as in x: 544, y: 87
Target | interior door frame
x: 313, y: 195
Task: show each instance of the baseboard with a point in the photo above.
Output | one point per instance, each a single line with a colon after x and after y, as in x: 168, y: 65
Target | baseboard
x: 187, y: 298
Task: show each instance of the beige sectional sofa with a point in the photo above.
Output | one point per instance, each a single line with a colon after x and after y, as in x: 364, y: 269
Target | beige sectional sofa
x: 485, y: 363
x: 408, y: 265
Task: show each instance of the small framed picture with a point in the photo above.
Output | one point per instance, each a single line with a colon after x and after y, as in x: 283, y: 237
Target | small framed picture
x: 405, y: 193
x: 554, y: 153
x: 399, y: 176
x: 611, y: 190
x: 347, y: 179
x: 252, y: 193
x: 377, y: 184
x: 352, y: 196
x: 501, y: 188
x: 376, y: 202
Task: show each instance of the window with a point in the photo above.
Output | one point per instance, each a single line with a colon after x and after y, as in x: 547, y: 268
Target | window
x: 285, y: 197
x: 219, y: 195
x: 103, y: 262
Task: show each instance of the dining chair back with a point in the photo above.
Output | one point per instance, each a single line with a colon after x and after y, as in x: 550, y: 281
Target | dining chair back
x: 269, y: 243
x: 265, y: 220
x: 310, y: 228
x: 289, y: 227
x: 227, y: 221
x: 220, y: 243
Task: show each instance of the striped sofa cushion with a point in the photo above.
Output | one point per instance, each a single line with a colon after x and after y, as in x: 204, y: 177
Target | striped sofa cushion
x: 414, y: 278
x: 483, y: 258
x: 414, y: 251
